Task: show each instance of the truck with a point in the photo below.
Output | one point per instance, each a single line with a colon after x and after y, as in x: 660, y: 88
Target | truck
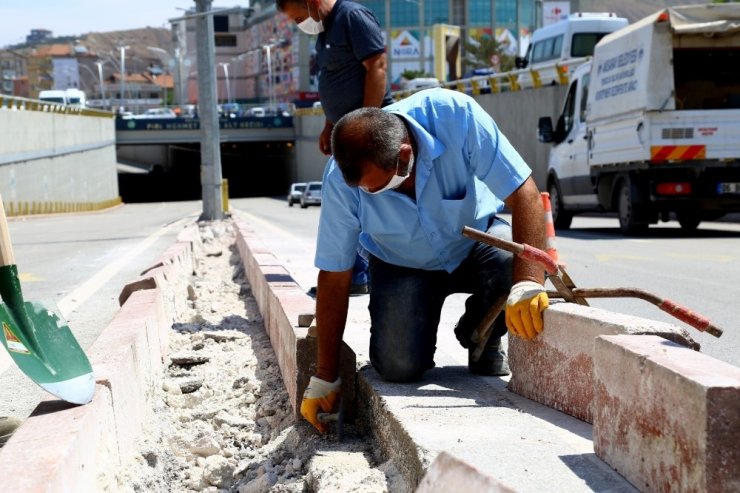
x: 650, y: 126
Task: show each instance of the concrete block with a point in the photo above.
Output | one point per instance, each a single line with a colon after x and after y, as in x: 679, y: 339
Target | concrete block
x: 448, y: 473
x: 665, y: 417
x: 555, y: 369
x: 125, y: 358
x: 63, y: 448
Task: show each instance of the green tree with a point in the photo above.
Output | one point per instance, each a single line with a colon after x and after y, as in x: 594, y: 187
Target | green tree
x: 478, y: 53
x: 413, y: 74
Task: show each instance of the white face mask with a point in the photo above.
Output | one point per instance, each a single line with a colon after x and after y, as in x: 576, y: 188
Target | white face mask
x: 310, y: 26
x: 395, y: 179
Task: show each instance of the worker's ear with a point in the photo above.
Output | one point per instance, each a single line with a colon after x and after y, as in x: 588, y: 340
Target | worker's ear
x: 405, y: 153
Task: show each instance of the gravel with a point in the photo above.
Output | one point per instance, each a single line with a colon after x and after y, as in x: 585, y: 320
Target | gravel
x: 221, y: 420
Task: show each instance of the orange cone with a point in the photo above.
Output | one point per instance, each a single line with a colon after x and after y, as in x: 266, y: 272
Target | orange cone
x: 550, y: 248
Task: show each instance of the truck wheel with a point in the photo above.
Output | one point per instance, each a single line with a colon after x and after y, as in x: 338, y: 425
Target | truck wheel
x: 689, y: 221
x: 561, y: 218
x: 626, y: 210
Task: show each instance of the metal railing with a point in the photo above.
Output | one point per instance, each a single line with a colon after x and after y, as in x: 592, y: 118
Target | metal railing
x: 512, y: 81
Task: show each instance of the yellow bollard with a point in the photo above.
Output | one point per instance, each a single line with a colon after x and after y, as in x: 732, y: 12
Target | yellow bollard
x: 225, y: 194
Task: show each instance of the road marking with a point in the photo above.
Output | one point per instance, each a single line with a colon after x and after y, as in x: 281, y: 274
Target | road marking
x: 74, y: 299
x: 608, y: 257
x: 28, y: 277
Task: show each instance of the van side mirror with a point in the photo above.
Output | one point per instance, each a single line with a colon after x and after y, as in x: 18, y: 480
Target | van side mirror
x: 521, y: 62
x: 545, y: 132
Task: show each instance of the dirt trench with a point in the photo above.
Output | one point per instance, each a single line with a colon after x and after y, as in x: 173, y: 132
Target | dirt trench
x: 221, y: 420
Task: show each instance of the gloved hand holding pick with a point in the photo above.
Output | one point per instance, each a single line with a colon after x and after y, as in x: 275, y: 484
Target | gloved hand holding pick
x: 527, y: 300
x: 320, y: 396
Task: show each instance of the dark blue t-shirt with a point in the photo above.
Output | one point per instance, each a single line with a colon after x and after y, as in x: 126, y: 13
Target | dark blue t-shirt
x: 351, y: 35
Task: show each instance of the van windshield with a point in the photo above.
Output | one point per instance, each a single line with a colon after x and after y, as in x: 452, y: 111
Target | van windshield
x: 74, y: 100
x: 583, y: 44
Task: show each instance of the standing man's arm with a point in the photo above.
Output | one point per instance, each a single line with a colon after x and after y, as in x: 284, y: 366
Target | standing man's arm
x: 376, y: 68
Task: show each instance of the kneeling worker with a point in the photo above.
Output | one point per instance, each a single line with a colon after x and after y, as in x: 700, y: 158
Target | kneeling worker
x: 404, y: 181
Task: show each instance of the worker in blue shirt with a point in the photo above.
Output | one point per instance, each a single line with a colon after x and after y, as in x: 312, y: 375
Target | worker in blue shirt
x: 403, y: 182
x: 352, y: 71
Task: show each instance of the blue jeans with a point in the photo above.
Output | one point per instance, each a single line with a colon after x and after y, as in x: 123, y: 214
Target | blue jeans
x: 406, y: 305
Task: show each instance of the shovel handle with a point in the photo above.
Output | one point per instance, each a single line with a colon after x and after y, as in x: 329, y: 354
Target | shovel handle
x: 527, y: 252
x: 6, y: 248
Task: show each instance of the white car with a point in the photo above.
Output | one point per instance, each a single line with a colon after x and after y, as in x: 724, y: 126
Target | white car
x: 312, y: 194
x: 295, y: 193
x: 157, y: 113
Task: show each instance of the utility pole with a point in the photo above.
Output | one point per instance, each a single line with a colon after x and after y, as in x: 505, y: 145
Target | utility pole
x: 210, y: 137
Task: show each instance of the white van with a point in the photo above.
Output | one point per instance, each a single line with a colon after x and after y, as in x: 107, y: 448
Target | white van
x: 574, y: 37
x: 77, y: 98
x: 56, y: 97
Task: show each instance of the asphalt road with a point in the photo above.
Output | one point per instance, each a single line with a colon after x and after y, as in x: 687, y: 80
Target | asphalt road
x: 698, y: 270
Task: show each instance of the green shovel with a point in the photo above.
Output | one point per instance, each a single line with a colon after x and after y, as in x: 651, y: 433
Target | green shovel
x: 39, y: 342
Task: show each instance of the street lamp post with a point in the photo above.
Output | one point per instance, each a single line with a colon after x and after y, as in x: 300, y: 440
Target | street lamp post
x: 270, y: 90
x: 100, y: 79
x: 225, y: 66
x: 123, y: 72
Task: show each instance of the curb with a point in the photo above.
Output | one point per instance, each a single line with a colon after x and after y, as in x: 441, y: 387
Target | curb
x: 62, y: 447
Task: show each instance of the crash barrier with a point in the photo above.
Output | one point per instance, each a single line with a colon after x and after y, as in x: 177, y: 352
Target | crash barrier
x: 62, y: 447
x: 512, y: 81
x: 32, y: 208
x: 14, y: 103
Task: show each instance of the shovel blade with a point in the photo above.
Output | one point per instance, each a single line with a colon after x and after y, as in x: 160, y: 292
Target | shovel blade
x: 44, y: 348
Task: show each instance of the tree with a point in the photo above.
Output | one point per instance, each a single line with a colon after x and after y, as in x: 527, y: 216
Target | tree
x: 479, y: 50
x: 413, y: 74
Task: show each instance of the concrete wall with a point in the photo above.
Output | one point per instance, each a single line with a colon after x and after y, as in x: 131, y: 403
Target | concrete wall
x: 49, y: 159
x: 516, y: 114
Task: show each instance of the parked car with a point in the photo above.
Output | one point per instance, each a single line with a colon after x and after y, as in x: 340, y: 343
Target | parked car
x: 312, y: 194
x: 295, y: 193
x: 156, y: 113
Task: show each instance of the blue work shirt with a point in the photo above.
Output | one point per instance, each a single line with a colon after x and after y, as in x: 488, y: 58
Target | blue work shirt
x: 351, y: 35
x: 465, y: 168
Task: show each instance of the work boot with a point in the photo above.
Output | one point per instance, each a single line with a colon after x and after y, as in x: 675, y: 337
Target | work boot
x: 492, y: 362
x: 8, y: 425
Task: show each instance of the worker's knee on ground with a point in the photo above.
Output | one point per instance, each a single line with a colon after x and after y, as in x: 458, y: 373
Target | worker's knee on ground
x: 400, y: 370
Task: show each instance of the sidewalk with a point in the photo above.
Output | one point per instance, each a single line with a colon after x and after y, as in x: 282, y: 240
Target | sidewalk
x: 526, y: 446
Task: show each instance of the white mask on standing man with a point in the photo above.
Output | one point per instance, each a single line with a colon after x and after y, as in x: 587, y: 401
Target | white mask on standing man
x: 310, y: 26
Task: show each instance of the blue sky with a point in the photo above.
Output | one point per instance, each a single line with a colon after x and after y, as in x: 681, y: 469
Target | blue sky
x: 73, y: 17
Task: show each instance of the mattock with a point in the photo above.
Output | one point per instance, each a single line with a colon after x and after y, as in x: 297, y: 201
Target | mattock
x: 566, y: 289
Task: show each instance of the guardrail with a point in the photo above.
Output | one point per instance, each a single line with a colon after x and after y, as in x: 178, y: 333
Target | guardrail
x: 14, y: 103
x: 512, y: 81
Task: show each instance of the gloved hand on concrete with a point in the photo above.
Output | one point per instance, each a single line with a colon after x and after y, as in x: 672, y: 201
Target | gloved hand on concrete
x: 527, y: 300
x: 320, y: 396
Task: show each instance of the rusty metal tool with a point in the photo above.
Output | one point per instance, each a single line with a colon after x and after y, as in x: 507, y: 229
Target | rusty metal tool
x: 566, y: 288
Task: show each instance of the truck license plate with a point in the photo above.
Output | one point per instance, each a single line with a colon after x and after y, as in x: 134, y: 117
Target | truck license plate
x: 723, y: 188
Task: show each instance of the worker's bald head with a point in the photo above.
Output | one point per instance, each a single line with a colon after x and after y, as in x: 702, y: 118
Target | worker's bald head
x: 367, y: 136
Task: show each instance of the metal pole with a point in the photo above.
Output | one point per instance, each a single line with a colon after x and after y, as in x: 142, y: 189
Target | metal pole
x: 210, y: 139
x: 123, y: 72
x: 269, y: 76
x: 100, y: 77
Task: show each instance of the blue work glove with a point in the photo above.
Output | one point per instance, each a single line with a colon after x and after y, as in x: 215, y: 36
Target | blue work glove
x: 527, y: 300
x: 320, y: 396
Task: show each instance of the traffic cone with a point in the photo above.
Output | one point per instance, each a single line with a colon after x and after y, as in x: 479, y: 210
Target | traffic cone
x: 550, y: 248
